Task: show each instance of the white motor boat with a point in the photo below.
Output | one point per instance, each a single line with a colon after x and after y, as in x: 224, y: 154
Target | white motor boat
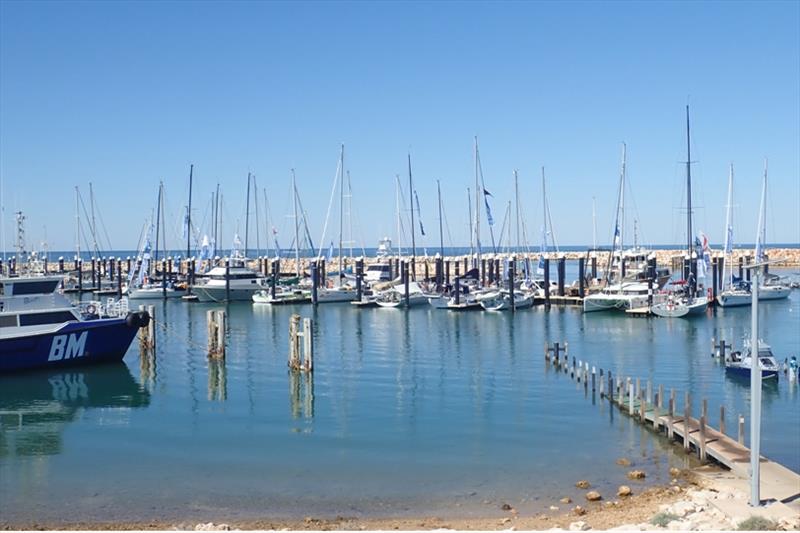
x: 617, y: 297
x: 501, y: 300
x: 342, y: 293
x: 235, y: 284
x: 739, y: 294
x: 396, y: 297
x: 294, y: 295
x: 154, y: 291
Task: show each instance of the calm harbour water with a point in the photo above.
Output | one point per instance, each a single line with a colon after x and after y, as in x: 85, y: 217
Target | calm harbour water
x: 407, y: 413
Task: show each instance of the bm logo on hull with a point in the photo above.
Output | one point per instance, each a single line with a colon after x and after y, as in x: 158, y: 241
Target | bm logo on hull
x: 68, y: 346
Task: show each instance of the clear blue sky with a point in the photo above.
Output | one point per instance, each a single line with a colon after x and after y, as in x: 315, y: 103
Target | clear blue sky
x: 125, y: 94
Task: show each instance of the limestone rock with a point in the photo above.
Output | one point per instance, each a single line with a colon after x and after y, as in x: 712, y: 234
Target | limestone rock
x: 682, y: 508
x: 580, y: 525
x: 593, y: 496
x: 566, y: 499
x: 578, y: 510
x: 211, y: 526
x: 623, y: 491
x: 554, y: 508
x: 506, y: 507
x: 674, y: 472
x: 622, y: 461
x: 636, y: 474
x: 582, y: 484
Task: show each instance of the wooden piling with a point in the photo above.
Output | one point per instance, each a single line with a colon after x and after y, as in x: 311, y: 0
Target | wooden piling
x: 630, y: 397
x: 642, y: 406
x: 687, y: 413
x: 294, y: 341
x: 308, y: 346
x: 703, y: 439
x: 671, y: 419
x: 722, y: 418
x: 211, y: 326
x: 221, y: 319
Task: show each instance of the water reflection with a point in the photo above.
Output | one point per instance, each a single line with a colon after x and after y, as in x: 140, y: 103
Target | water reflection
x: 35, y: 408
x: 301, y: 394
x: 217, y: 379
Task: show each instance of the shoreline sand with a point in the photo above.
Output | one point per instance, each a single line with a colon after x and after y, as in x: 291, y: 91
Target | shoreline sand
x: 701, y: 499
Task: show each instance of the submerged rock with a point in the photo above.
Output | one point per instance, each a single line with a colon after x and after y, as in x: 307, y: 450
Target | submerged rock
x: 593, y: 496
x: 636, y: 474
x: 622, y: 461
x: 624, y: 490
x: 582, y: 484
x: 674, y: 472
x: 566, y: 499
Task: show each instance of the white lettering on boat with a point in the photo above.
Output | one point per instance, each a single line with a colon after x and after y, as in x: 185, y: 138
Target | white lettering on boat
x: 67, y: 346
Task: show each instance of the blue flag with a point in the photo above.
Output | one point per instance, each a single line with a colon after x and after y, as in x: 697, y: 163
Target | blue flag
x: 488, y: 211
x: 419, y: 216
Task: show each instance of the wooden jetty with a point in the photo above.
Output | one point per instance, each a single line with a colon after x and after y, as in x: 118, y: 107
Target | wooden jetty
x: 647, y: 406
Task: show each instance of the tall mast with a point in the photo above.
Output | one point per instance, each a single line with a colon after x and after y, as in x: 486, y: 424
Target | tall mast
x: 762, y: 219
x: 94, y: 222
x: 296, y: 230
x: 688, y: 189
x: 247, y: 216
x: 77, y: 223
x: 341, y: 211
x: 189, y: 216
x: 266, y: 220
x: 477, y: 209
x: 441, y: 236
x: 411, y: 202
x: 471, y: 233
x: 397, y: 213
x: 729, y: 232
x: 516, y: 201
x: 594, y: 224
x: 350, y: 239
x: 158, y: 216
x: 544, y: 213
x: 216, y: 219
x: 622, y: 201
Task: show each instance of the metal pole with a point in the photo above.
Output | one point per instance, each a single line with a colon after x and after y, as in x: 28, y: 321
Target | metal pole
x: 755, y: 397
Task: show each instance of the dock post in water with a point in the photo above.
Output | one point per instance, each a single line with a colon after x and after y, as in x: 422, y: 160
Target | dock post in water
x: 274, y: 279
x: 294, y: 341
x: 405, y: 282
x: 308, y: 346
x: 547, y: 282
x: 457, y: 285
x: 581, y: 277
x: 722, y: 418
x: 163, y: 278
x: 610, y: 387
x: 671, y: 417
x: 119, y: 280
x: 594, y: 266
x: 561, y: 274
x: 512, y: 273
x: 630, y: 397
x: 227, y: 280
x: 359, y: 277
x: 314, y: 282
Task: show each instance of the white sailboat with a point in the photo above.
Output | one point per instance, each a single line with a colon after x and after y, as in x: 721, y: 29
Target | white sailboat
x: 737, y: 293
x: 688, y: 303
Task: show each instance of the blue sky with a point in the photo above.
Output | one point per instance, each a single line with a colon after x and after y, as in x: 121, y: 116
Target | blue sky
x: 127, y: 94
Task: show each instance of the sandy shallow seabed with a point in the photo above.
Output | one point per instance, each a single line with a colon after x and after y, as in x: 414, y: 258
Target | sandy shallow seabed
x: 706, y: 498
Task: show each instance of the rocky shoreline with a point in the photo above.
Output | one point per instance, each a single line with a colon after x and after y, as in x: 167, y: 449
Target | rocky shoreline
x: 703, y: 499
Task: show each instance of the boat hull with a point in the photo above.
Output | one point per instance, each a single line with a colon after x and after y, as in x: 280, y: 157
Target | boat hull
x: 744, y: 372
x: 74, y: 343
x: 154, y: 294
x: 219, y: 294
x: 680, y: 309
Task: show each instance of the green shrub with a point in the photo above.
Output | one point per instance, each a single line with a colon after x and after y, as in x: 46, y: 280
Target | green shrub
x: 662, y: 519
x: 756, y: 523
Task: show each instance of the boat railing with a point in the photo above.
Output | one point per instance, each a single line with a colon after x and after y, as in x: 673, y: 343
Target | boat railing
x: 111, y: 309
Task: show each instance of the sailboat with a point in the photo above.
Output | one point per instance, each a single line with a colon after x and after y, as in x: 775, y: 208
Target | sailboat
x: 288, y: 293
x: 736, y: 292
x: 140, y: 286
x: 688, y: 303
x: 618, y: 293
x: 338, y: 290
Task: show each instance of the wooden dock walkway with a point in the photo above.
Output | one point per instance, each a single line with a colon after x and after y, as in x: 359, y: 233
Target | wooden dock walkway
x: 647, y: 406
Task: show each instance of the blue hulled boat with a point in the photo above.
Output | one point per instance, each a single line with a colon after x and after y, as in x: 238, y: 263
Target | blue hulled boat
x: 40, y: 327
